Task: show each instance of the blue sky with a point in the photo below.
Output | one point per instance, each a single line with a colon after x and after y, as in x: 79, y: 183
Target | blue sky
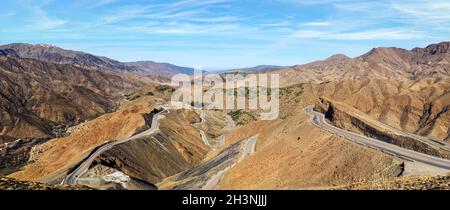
x: 220, y: 34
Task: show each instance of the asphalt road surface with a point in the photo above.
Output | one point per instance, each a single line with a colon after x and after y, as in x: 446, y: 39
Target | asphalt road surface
x: 84, y: 166
x: 249, y: 148
x: 202, y: 133
x: 318, y: 119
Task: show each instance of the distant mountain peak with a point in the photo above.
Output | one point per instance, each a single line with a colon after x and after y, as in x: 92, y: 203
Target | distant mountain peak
x: 46, y: 45
x: 255, y: 69
x: 161, y: 69
x: 439, y: 48
x: 378, y: 52
x: 338, y: 57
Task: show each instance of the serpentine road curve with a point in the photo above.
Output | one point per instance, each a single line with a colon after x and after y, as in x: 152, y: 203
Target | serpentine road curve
x: 84, y: 166
x: 318, y: 119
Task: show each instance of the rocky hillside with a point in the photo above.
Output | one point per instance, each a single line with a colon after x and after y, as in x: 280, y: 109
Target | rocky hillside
x: 351, y: 119
x: 36, y: 96
x: 379, y: 63
x: 176, y: 148
x: 405, y: 89
x: 50, y: 161
x: 50, y: 53
x: 418, y: 106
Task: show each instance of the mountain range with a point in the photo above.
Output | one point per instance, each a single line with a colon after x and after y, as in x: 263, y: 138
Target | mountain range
x: 379, y: 63
x: 255, y: 69
x: 53, y: 54
x: 37, y: 95
x: 80, y: 102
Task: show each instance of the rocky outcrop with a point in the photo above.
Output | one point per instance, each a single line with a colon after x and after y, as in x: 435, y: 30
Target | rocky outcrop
x: 343, y: 119
x: 430, y: 116
x: 105, y: 178
x: 15, y: 154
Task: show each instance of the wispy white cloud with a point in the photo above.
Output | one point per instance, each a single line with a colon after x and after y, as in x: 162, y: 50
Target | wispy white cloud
x: 8, y: 14
x: 39, y: 18
x: 176, y: 28
x: 100, y: 3
x: 175, y: 15
x: 177, y: 18
x: 314, y: 2
x: 374, y: 34
x: 42, y: 21
x: 361, y: 6
x: 318, y: 23
x: 184, y: 9
x: 124, y: 13
x: 193, y: 17
x: 437, y: 10
x: 334, y: 36
x: 184, y: 3
x: 231, y: 24
x: 309, y: 34
x: 283, y: 23
x: 217, y: 19
x: 377, y: 34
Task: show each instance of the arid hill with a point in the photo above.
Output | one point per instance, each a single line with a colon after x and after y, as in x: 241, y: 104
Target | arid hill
x: 406, y: 89
x: 52, y: 160
x: 36, y: 96
x: 380, y: 63
x: 50, y: 53
x: 418, y: 106
x: 291, y: 153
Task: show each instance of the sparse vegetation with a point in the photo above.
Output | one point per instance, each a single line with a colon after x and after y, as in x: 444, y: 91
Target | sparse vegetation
x: 165, y: 88
x: 199, y: 104
x: 242, y: 117
x: 13, y: 184
x: 403, y: 183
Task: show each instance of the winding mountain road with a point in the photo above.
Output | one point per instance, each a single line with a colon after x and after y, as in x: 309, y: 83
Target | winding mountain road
x: 318, y: 119
x: 248, y: 148
x: 84, y: 166
x: 221, y: 139
x: 202, y: 133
